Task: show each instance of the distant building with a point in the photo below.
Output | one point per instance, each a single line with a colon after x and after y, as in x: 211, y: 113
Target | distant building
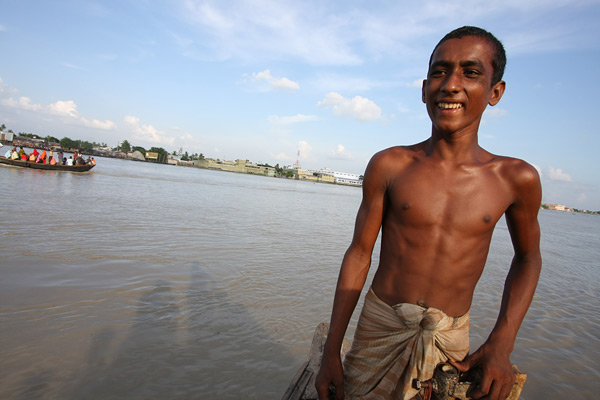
x: 7, y: 137
x: 239, y: 166
x: 314, y: 176
x: 556, y: 207
x: 343, y: 178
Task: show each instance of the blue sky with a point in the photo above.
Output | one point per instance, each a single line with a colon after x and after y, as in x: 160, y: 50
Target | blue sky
x: 263, y: 80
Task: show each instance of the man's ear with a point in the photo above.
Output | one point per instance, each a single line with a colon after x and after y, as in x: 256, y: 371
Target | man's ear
x: 497, y: 92
x: 423, y: 91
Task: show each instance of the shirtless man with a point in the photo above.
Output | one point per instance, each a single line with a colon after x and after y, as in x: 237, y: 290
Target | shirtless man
x: 437, y: 203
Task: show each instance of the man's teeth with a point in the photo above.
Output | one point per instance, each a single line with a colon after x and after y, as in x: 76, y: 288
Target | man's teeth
x: 449, y: 105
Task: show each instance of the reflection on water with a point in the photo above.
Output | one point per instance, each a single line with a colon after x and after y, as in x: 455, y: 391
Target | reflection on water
x: 149, y: 281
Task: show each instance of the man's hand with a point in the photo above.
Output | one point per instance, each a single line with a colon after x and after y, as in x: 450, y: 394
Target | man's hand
x: 331, y: 373
x: 497, y: 377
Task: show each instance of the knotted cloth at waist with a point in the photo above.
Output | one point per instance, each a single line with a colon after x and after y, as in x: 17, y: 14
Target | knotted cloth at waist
x: 395, y: 344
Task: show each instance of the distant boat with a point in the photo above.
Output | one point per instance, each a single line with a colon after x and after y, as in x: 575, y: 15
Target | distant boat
x: 34, y: 165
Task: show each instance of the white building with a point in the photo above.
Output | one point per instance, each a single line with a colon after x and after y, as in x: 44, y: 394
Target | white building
x: 342, y: 178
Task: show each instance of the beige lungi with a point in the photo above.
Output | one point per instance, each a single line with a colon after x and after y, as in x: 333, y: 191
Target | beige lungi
x: 395, y: 344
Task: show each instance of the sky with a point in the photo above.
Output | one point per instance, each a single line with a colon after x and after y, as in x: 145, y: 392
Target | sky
x: 324, y: 83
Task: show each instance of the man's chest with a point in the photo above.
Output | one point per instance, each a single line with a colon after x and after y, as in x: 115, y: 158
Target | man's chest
x: 469, y: 199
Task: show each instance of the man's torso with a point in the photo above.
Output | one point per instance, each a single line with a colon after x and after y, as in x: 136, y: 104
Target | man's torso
x: 437, y: 227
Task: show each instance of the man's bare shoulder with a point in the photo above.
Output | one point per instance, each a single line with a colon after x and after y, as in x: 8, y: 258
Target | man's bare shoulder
x: 397, y: 156
x: 515, y: 170
x: 386, y: 164
x: 522, y: 177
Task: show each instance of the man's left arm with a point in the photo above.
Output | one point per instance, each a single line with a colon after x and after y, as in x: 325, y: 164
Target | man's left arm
x: 493, y: 357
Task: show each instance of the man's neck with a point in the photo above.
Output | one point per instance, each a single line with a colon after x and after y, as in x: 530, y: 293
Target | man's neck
x: 456, y: 148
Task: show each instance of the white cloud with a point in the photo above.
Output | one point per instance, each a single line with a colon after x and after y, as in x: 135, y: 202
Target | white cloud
x: 71, y: 66
x: 495, y: 112
x: 147, y: 133
x: 106, y: 125
x: 274, y: 119
x: 259, y: 30
x: 24, y: 103
x: 538, y: 168
x: 329, y: 33
x: 281, y: 157
x: 3, y: 87
x: 64, y: 108
x: 417, y: 84
x: 340, y: 152
x: 358, y: 107
x: 67, y: 110
x: 3, y: 28
x: 557, y: 174
x: 275, y: 83
x: 305, y: 149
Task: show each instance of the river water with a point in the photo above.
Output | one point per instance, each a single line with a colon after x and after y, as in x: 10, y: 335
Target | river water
x: 145, y: 281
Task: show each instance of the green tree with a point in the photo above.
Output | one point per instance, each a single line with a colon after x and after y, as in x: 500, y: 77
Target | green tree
x: 51, y: 139
x: 67, y: 143
x: 85, y: 145
x: 140, y: 149
x: 163, y: 155
x: 185, y: 157
x: 125, y: 146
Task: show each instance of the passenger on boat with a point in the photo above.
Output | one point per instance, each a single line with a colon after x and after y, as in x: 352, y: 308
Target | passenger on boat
x: 34, y: 155
x: 14, y: 154
x: 92, y: 161
x: 21, y: 152
x: 70, y: 160
x: 41, y: 158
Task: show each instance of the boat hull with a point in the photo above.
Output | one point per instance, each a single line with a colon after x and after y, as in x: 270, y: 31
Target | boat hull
x: 56, y: 167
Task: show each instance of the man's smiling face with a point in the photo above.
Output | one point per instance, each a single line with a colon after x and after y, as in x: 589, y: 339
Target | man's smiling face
x: 458, y: 85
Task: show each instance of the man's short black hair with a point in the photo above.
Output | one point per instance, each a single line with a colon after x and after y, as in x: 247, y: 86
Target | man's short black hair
x: 499, y: 58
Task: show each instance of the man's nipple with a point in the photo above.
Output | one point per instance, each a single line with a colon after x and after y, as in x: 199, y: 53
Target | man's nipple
x: 487, y: 218
x: 405, y: 206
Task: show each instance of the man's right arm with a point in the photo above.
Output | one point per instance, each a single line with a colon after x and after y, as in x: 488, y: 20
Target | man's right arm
x: 353, y: 274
